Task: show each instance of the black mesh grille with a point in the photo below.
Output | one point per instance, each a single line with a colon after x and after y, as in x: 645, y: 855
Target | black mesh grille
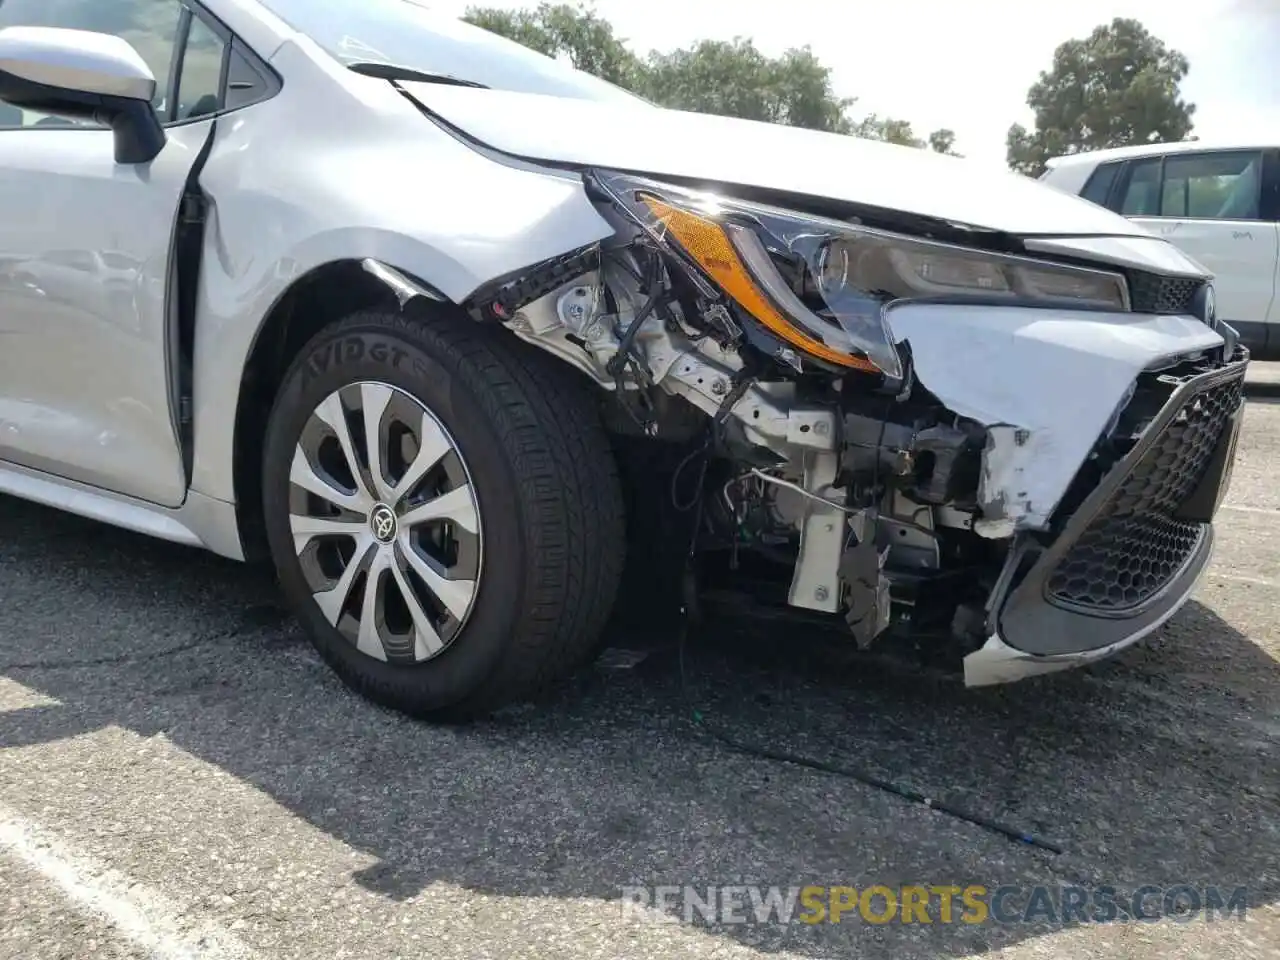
x: 1150, y: 293
x: 1134, y: 546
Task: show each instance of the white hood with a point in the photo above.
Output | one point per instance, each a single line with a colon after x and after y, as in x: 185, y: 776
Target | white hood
x: 660, y: 142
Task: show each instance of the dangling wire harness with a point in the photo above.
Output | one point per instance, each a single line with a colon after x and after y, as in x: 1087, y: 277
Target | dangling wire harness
x: 706, y: 449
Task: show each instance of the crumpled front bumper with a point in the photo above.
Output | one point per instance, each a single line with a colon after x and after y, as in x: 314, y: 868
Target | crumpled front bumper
x: 1048, y: 384
x: 1130, y: 555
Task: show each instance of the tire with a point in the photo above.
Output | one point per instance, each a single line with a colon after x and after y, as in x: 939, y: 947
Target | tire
x: 528, y: 454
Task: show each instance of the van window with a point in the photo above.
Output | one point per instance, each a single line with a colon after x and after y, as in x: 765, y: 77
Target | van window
x: 1213, y: 185
x: 1098, y: 189
x: 1142, y: 193
x: 1222, y: 186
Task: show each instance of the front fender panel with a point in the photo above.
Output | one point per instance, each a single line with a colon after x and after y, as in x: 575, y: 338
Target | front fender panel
x: 334, y: 169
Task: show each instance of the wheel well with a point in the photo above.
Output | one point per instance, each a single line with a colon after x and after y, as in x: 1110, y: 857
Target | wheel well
x: 314, y: 301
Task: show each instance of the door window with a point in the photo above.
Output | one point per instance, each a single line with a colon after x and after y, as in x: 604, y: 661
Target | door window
x: 1214, y: 185
x: 199, y: 90
x: 1142, y: 194
x: 1221, y: 186
x: 1098, y: 189
x: 150, y: 25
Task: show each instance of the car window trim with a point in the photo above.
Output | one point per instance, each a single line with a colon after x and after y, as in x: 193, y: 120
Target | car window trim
x: 1127, y: 177
x: 224, y: 35
x: 1112, y: 192
x: 232, y: 45
x: 1120, y: 189
x: 176, y: 64
x: 1125, y: 180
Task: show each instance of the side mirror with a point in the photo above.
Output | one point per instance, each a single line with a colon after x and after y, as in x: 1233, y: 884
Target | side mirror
x: 85, y: 76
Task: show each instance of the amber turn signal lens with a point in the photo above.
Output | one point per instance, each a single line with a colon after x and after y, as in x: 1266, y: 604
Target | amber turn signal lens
x: 710, y: 247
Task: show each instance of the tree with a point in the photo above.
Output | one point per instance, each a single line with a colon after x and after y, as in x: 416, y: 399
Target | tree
x: 730, y: 78
x: 889, y: 130
x: 901, y: 132
x: 943, y: 141
x: 735, y: 79
x: 1117, y: 86
x: 561, y: 30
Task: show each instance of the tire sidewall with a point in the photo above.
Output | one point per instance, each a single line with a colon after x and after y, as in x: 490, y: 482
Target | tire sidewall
x: 445, y: 383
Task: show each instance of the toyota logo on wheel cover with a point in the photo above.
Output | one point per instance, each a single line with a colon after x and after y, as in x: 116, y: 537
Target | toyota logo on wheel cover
x: 383, y: 523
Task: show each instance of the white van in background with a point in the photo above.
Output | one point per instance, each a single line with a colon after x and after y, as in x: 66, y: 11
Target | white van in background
x: 1219, y: 202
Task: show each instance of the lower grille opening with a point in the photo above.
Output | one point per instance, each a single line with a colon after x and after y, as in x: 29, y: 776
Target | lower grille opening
x: 1124, y: 563
x: 1135, y: 545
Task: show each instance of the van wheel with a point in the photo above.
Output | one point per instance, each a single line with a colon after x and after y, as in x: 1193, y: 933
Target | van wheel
x: 443, y: 511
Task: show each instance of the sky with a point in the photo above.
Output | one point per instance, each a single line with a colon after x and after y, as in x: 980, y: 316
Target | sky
x: 967, y: 65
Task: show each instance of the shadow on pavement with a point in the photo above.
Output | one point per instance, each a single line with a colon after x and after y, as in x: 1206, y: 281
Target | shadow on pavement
x: 1158, y: 768
x: 1264, y: 391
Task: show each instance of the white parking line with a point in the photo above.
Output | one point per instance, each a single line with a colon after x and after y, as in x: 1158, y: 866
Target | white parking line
x: 140, y: 915
x: 1265, y: 510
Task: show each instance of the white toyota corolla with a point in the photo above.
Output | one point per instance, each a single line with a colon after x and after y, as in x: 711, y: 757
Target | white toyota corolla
x: 481, y: 351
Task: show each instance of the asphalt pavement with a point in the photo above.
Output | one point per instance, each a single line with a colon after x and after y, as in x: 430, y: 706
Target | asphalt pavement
x: 181, y: 777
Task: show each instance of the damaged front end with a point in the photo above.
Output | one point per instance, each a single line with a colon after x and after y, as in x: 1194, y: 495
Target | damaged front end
x: 1015, y: 458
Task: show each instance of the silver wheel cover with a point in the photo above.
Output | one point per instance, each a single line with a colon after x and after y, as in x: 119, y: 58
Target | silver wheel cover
x: 385, y: 522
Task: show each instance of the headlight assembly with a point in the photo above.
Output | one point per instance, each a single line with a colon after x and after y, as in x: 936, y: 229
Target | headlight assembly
x: 822, y: 285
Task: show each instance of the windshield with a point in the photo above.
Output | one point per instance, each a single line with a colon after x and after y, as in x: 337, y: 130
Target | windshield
x: 407, y: 34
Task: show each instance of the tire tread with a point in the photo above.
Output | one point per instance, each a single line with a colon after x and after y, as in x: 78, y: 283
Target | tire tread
x: 570, y: 496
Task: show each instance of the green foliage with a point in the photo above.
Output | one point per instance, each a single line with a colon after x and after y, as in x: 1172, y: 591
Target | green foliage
x: 888, y: 129
x: 735, y: 79
x: 901, y: 132
x: 943, y: 141
x: 1117, y: 86
x: 728, y: 78
x: 561, y: 30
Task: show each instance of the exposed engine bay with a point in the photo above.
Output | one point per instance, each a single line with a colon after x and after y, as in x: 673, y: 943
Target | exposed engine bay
x: 824, y: 474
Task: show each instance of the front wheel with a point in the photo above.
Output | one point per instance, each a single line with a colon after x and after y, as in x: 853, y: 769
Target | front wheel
x: 443, y: 512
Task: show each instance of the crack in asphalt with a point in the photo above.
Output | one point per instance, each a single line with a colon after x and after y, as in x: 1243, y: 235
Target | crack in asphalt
x: 252, y: 620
